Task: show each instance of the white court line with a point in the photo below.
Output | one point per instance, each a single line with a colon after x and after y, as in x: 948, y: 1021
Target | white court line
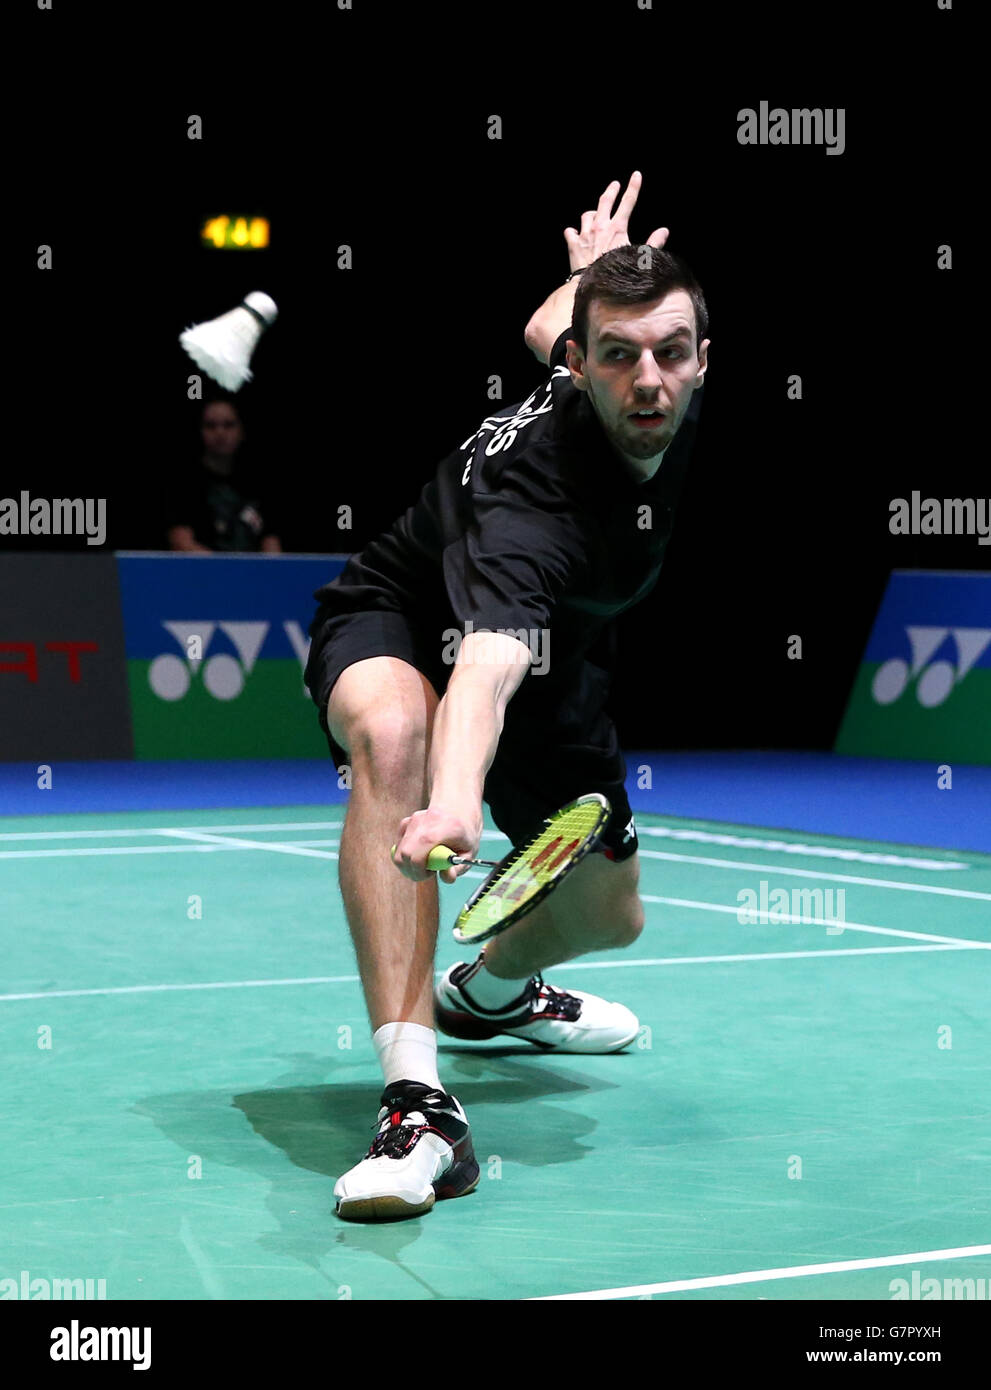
x: 797, y: 847
x: 231, y: 842
x: 763, y: 955
x: 210, y: 829
x: 785, y: 869
x: 228, y: 841
x: 759, y: 1276
x: 567, y: 966
x: 208, y: 833
x: 161, y: 829
x: 117, y: 849
x: 170, y: 989
x: 204, y: 1268
x: 785, y: 919
x: 802, y: 848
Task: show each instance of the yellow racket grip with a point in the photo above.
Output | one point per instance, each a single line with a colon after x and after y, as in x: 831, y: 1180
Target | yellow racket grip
x: 438, y: 858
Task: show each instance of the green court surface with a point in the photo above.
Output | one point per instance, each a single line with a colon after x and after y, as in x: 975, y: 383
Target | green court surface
x: 805, y: 1115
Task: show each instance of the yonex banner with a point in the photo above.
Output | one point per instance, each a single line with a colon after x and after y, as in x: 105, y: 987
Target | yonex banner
x: 924, y: 685
x: 216, y: 648
x: 63, y: 692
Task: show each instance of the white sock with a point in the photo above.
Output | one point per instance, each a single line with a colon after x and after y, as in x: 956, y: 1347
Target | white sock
x: 489, y: 992
x: 407, y: 1052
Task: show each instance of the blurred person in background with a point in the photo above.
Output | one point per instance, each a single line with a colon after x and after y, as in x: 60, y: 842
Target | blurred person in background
x: 217, y: 505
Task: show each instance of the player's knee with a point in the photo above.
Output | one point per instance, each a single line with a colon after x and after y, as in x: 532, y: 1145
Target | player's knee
x: 390, y: 743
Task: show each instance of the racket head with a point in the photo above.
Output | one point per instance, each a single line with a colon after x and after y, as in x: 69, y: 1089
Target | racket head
x: 528, y: 873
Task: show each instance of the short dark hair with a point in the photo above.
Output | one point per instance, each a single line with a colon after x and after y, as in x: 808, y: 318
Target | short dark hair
x: 629, y: 275
x: 217, y: 398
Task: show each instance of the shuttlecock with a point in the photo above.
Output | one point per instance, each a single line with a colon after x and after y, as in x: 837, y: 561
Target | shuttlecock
x: 222, y: 347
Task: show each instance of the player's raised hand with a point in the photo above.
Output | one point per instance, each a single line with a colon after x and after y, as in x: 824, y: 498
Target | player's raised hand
x: 603, y: 231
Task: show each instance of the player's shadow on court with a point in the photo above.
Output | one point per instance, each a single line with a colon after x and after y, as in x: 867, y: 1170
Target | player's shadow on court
x: 325, y: 1129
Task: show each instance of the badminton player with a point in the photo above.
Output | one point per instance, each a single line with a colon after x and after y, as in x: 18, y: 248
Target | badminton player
x: 551, y: 519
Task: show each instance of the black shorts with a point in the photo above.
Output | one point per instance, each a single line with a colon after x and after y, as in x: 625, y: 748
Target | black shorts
x: 544, y: 759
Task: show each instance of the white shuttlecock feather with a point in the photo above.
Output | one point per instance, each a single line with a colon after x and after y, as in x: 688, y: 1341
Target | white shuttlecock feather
x: 222, y: 347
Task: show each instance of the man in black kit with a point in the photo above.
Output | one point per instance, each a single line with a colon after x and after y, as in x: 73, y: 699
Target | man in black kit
x: 547, y: 522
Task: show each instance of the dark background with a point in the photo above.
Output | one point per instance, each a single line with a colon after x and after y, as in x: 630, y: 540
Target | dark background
x: 812, y: 264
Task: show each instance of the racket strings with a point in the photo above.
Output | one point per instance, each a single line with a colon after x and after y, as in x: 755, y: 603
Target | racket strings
x: 529, y: 873
x: 545, y: 856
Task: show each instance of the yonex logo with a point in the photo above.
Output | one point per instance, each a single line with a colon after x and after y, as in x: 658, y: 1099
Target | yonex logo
x: 630, y: 831
x: 223, y: 675
x: 934, y: 682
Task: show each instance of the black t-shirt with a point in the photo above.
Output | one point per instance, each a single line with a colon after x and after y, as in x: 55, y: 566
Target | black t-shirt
x: 225, y: 512
x: 533, y: 523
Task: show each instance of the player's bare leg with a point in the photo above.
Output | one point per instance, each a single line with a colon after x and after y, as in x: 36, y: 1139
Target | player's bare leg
x: 596, y: 908
x: 381, y: 711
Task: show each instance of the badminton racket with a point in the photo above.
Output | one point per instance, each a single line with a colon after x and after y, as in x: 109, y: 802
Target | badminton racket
x: 529, y: 872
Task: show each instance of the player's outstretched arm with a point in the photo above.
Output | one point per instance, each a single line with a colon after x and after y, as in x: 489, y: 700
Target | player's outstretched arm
x: 601, y: 231
x: 466, y: 731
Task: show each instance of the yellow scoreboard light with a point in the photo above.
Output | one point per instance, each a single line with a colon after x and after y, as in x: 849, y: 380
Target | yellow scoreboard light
x: 235, y: 233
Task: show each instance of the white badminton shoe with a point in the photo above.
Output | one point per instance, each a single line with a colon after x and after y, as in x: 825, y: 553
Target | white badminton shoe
x: 555, y: 1020
x: 422, y: 1153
